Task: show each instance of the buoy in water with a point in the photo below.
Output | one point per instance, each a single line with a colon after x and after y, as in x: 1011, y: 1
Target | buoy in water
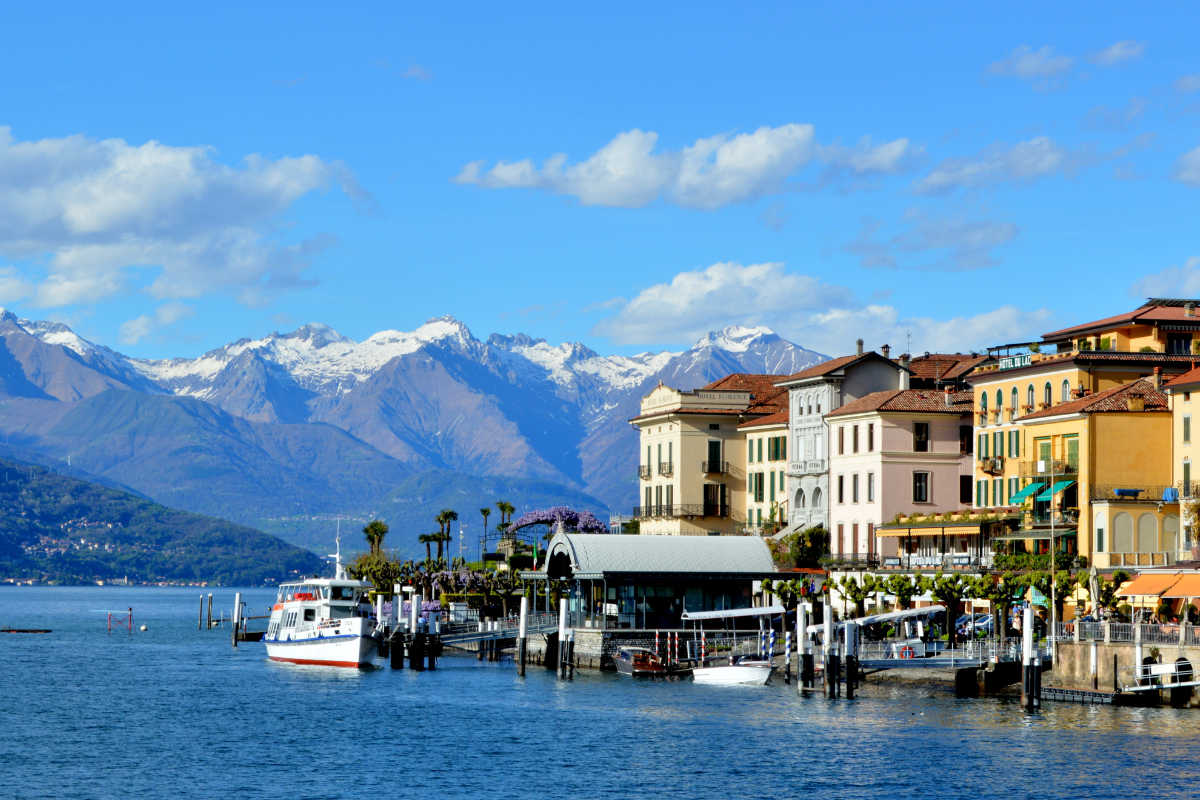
x: 143, y: 628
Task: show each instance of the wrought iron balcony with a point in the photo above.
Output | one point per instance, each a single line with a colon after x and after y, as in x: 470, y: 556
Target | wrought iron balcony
x: 644, y: 471
x: 1050, y: 466
x: 992, y: 466
x: 666, y: 468
x: 715, y: 467
x: 683, y: 510
x: 1140, y: 493
x: 1063, y: 518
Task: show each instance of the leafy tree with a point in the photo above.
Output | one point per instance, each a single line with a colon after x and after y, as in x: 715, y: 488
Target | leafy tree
x: 382, y: 571
x: 804, y: 548
x: 903, y: 587
x: 857, y: 593
x: 949, y: 590
x: 375, y: 531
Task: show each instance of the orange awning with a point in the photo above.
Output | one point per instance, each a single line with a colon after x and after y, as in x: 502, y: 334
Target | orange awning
x: 1188, y: 586
x: 1149, y: 585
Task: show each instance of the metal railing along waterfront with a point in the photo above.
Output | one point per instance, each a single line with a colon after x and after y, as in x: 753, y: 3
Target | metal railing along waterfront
x: 1091, y: 631
x: 1120, y: 632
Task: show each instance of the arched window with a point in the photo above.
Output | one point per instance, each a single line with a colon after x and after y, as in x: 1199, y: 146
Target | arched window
x: 816, y: 498
x: 1147, y: 541
x: 1170, y: 534
x: 999, y: 400
x: 1066, y: 391
x: 983, y: 402
x: 1122, y: 533
x: 1014, y: 398
x: 800, y: 499
x: 1047, y: 394
x: 818, y: 404
x: 810, y: 404
x: 1029, y: 397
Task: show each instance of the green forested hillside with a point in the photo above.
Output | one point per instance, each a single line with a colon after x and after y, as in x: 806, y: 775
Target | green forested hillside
x: 65, y: 529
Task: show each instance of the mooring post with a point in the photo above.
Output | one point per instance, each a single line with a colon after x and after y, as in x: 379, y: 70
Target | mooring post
x: 480, y: 646
x: 1095, y: 650
x: 571, y: 654
x: 1137, y: 651
x: 210, y: 610
x: 237, y: 615
x: 200, y: 622
x: 562, y: 637
x: 787, y: 656
x: 851, y: 658
x: 416, y: 647
x: 804, y: 656
x: 827, y: 668
x: 521, y: 634
x: 1028, y: 699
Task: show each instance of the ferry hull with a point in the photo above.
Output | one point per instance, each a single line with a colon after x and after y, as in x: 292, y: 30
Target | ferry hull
x: 353, y: 652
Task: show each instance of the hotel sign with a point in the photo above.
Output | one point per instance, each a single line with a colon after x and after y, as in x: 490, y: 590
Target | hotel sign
x: 1013, y: 362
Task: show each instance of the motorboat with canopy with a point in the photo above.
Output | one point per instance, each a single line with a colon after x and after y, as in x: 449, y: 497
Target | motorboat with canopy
x: 731, y: 669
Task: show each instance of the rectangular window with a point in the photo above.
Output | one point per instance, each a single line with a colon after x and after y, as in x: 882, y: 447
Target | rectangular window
x: 964, y: 440
x: 841, y: 440
x: 870, y: 487
x: 646, y: 510
x: 870, y: 537
x: 670, y: 495
x: 1187, y: 479
x: 920, y: 487
x: 964, y: 489
x: 841, y: 535
x: 649, y: 462
x: 657, y: 501
x: 783, y: 448
x: 998, y: 491
x: 854, y: 438
x: 871, y: 438
x: 982, y: 448
x: 1012, y: 487
x: 984, y: 487
x: 841, y: 489
x: 670, y: 452
x: 660, y: 455
x: 998, y: 443
x: 1187, y: 428
x: 854, y: 488
x: 760, y: 516
x: 772, y: 486
x: 854, y: 538
x: 1099, y: 540
x: 760, y: 458
x: 920, y: 437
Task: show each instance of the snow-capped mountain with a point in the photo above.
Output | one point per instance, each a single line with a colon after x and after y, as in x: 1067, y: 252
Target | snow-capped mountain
x: 436, y: 398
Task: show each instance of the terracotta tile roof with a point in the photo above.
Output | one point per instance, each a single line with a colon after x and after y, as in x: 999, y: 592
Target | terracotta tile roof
x: 1148, y: 314
x: 945, y: 366
x: 1114, y: 399
x: 774, y: 419
x: 766, y: 397
x: 825, y: 368
x: 1192, y: 376
x: 928, y: 400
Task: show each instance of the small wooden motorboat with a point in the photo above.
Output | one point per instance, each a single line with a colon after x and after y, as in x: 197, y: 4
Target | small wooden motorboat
x: 639, y: 661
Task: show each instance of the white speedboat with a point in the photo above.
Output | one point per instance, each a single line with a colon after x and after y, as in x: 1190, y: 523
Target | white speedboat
x: 746, y: 671
x: 323, y: 621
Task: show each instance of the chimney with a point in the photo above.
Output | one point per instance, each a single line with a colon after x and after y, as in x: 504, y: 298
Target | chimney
x: 1189, y: 309
x: 1157, y: 378
x: 903, y: 371
x: 860, y: 345
x: 887, y: 351
x: 949, y: 400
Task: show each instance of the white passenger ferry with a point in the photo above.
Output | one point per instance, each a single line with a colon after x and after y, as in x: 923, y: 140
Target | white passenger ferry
x: 324, y: 621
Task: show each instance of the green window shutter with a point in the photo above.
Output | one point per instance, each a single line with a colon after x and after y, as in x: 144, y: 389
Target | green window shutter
x: 783, y: 448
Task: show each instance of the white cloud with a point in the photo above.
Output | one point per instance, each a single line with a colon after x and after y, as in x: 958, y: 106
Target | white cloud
x: 96, y: 213
x: 1174, y: 281
x: 1041, y: 68
x: 1187, y: 168
x: 12, y: 286
x: 1022, y: 163
x: 709, y: 174
x: 167, y: 314
x: 1188, y: 83
x: 955, y: 242
x: 1103, y: 118
x: 417, y: 72
x: 802, y: 308
x: 1119, y: 52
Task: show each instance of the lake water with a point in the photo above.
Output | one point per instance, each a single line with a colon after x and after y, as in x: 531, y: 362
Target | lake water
x: 177, y: 712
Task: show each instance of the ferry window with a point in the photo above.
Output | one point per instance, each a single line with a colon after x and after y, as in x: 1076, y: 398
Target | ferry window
x: 325, y: 592
x: 310, y: 614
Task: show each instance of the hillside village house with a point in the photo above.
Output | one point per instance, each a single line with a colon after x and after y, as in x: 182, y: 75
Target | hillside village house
x: 899, y: 452
x: 1069, y: 365
x: 765, y: 463
x: 693, y: 457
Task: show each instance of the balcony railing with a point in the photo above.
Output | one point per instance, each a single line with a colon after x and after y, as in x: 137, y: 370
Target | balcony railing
x: 1133, y: 493
x: 683, y: 510
x: 992, y: 466
x: 715, y: 467
x: 1157, y: 559
x: 644, y: 471
x: 1012, y: 415
x: 666, y: 468
x: 810, y: 466
x: 848, y: 562
x: 1030, y: 519
x: 1047, y: 467
x: 983, y: 419
x: 947, y: 561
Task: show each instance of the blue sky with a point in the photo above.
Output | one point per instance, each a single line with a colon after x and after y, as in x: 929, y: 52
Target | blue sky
x: 173, y: 178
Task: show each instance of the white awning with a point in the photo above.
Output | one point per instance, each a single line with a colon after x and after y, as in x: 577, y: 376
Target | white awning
x: 762, y: 611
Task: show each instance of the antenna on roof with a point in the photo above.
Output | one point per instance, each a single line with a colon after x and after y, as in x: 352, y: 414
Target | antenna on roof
x: 908, y: 347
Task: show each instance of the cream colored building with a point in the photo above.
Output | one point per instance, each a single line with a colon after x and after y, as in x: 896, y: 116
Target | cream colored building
x: 692, y: 457
x: 765, y: 461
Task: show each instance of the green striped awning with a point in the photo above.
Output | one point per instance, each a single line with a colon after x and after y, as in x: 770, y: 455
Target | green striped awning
x: 1028, y: 490
x: 1053, y: 490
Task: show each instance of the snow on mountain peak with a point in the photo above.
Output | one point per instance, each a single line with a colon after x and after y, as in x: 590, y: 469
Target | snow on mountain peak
x: 735, y: 338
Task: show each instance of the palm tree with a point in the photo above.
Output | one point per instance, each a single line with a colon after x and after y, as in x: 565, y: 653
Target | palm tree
x: 427, y: 539
x: 486, y: 512
x: 444, y: 519
x: 375, y: 531
x: 506, y: 512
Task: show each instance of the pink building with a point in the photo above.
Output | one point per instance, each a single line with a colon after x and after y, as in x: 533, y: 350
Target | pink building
x: 899, y: 451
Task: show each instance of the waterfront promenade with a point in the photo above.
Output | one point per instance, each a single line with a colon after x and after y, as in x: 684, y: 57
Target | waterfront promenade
x: 176, y: 712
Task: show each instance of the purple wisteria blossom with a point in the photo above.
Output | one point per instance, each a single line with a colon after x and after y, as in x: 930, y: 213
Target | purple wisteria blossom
x: 580, y: 521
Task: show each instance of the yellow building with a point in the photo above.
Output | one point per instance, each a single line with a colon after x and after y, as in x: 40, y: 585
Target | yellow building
x: 1098, y: 474
x: 765, y: 464
x: 1181, y: 391
x: 693, y: 458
